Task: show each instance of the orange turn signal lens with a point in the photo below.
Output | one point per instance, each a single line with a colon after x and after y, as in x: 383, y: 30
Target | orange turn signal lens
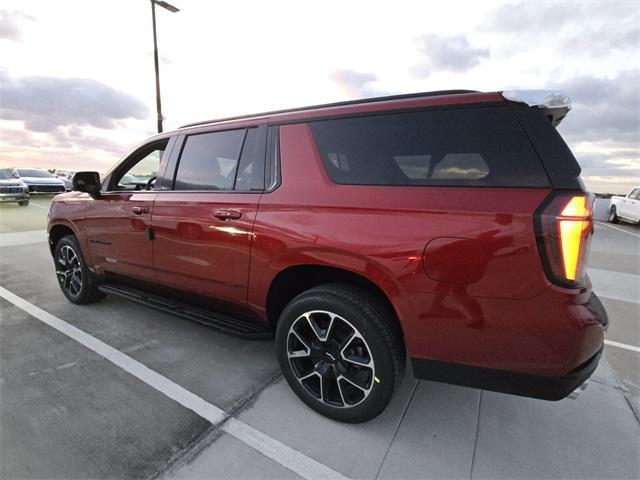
x: 574, y: 221
x: 563, y: 229
x: 577, y: 207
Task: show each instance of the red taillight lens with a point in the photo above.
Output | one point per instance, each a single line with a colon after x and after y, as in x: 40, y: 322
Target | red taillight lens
x: 564, y: 226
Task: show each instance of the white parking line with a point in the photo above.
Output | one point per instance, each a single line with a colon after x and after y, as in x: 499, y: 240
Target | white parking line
x: 633, y: 348
x: 619, y: 229
x: 277, y: 451
x: 13, y: 239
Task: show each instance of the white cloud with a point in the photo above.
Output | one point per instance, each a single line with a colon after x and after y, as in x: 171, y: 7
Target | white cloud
x: 45, y: 103
x: 451, y: 54
x: 604, y: 108
x: 10, y: 21
x: 356, y: 84
x: 239, y: 57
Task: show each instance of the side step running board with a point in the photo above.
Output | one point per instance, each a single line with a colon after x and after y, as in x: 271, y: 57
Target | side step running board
x: 238, y: 327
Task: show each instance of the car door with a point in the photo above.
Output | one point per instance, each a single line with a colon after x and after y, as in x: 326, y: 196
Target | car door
x: 117, y: 224
x: 203, y: 220
x: 632, y: 206
x: 624, y: 206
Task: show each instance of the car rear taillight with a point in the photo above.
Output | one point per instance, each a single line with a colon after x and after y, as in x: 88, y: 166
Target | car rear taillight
x: 564, y: 226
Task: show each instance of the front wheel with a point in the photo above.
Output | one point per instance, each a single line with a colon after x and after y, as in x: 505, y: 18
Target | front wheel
x: 339, y: 352
x: 23, y: 203
x: 76, y: 281
x: 613, y: 216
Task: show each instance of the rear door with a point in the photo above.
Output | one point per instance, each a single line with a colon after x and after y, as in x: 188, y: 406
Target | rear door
x: 203, y: 218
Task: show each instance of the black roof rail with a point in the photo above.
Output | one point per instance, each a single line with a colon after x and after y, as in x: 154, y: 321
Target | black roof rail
x: 336, y: 104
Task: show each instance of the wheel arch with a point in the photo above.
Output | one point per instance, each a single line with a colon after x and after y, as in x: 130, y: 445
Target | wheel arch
x: 57, y: 231
x: 295, y: 279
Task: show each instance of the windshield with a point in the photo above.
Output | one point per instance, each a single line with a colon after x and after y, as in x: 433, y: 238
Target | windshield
x: 27, y: 172
x: 6, y: 175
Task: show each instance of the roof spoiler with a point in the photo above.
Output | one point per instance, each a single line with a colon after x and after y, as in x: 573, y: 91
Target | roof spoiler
x: 554, y: 104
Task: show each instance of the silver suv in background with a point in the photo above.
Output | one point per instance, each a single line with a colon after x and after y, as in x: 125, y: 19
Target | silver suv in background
x: 40, y: 181
x: 13, y: 189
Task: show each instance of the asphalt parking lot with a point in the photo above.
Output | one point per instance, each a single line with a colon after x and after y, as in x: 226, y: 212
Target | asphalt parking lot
x: 115, y: 390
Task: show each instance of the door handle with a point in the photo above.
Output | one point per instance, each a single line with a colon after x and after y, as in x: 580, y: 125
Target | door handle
x: 139, y: 210
x: 227, y: 215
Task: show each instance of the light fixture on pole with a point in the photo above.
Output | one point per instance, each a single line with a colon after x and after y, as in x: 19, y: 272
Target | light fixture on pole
x: 172, y: 9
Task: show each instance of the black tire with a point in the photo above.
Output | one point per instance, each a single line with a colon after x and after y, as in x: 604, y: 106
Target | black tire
x: 613, y: 216
x: 76, y: 281
x: 23, y: 203
x: 358, y: 329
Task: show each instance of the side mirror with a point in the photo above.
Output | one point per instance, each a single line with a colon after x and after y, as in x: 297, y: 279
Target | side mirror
x: 88, y: 182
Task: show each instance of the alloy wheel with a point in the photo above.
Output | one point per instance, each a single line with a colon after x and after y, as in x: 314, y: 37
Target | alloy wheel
x: 330, y: 358
x: 69, y: 271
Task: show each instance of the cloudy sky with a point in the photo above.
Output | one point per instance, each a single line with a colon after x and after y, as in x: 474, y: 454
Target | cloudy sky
x: 76, y: 77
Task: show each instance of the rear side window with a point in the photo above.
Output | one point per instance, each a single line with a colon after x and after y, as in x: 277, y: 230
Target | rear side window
x: 209, y: 161
x: 483, y: 147
x: 251, y: 170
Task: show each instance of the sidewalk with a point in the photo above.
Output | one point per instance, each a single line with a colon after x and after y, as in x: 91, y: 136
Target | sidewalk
x: 435, y: 430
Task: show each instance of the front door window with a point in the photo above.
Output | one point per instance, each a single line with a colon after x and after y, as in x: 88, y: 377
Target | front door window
x: 141, y: 175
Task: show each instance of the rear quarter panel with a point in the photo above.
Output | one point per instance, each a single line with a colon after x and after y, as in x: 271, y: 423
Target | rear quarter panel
x: 381, y: 233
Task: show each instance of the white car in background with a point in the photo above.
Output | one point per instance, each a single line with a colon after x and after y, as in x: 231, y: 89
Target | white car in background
x: 40, y: 181
x: 625, y: 208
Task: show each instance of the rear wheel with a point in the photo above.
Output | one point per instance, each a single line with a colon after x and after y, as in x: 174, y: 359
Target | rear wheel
x: 613, y: 215
x: 23, y: 203
x: 76, y: 281
x: 338, y: 352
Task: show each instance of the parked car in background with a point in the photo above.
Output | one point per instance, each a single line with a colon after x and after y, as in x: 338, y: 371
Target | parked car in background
x: 625, y: 208
x: 67, y: 177
x: 13, y: 189
x: 40, y: 181
x: 451, y: 228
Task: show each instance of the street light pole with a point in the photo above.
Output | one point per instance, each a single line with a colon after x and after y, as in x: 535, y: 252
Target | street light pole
x: 172, y: 9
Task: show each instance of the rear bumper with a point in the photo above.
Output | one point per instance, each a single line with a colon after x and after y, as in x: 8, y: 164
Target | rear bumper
x: 514, y: 383
x: 584, y: 352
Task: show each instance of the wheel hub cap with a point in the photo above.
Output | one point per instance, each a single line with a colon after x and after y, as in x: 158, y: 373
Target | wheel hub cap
x: 330, y: 358
x: 68, y: 270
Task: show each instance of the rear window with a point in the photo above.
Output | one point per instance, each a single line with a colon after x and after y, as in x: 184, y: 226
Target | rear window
x: 482, y: 147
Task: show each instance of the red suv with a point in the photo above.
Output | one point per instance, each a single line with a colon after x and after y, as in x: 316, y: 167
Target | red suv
x: 450, y: 227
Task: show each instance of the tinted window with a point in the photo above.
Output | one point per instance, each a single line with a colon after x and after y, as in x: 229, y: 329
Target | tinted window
x: 209, y: 161
x: 140, y: 169
x: 273, y: 158
x: 251, y: 168
x: 142, y: 174
x: 461, y: 166
x: 467, y: 146
x: 415, y: 167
